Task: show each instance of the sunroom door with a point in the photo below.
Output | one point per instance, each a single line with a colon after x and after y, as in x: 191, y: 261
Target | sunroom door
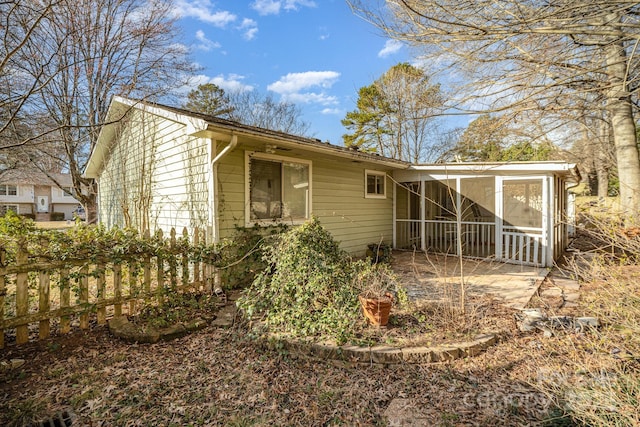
x: 522, y: 206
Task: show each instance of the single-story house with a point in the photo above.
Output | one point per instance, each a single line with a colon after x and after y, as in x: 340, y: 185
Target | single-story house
x: 28, y: 191
x: 161, y: 167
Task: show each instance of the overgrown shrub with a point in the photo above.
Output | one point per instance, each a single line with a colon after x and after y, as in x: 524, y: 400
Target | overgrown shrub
x: 242, y: 254
x: 306, y: 288
x: 87, y: 242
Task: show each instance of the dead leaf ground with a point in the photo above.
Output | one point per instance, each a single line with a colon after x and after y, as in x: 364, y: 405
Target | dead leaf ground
x: 219, y: 377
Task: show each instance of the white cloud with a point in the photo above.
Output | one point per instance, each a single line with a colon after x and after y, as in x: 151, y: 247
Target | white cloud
x: 203, y: 10
x: 390, y: 47
x: 250, y: 28
x: 295, y: 82
x: 332, y: 111
x: 324, y: 33
x: 296, y: 87
x: 230, y: 83
x: 293, y: 4
x: 310, y: 98
x: 266, y: 7
x: 205, y: 44
x: 273, y: 7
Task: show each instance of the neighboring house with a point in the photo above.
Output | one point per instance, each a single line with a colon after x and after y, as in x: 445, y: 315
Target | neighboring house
x: 162, y: 167
x: 31, y: 192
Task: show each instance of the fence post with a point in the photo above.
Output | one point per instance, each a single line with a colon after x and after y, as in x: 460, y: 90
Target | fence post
x: 185, y: 257
x: 43, y: 304
x: 208, y: 273
x: 196, y: 264
x: 117, y: 289
x: 65, y: 300
x: 22, y: 293
x: 83, y: 296
x: 147, y: 268
x: 173, y: 273
x: 100, y: 284
x: 3, y: 291
x: 133, y: 286
x: 160, y: 271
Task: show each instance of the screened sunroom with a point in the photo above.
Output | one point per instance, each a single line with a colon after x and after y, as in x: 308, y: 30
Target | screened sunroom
x: 516, y: 212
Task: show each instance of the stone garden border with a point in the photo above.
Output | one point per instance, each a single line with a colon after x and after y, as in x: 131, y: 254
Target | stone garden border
x: 386, y: 355
x: 131, y: 332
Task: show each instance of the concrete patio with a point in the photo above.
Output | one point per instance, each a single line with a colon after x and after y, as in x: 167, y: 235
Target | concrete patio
x: 435, y: 277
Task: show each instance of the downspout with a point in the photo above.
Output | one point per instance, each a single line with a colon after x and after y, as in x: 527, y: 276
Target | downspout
x: 214, y: 180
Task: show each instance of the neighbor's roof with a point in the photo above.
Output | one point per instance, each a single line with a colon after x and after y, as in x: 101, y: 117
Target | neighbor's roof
x: 33, y: 176
x: 203, y: 125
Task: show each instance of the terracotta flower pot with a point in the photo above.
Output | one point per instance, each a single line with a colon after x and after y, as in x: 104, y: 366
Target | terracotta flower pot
x: 377, y: 310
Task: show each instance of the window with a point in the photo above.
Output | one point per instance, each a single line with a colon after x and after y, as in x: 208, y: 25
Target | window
x: 67, y: 191
x: 279, y: 188
x: 375, y: 184
x: 8, y: 190
x: 6, y: 208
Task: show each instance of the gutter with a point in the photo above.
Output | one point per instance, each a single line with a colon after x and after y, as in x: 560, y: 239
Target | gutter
x: 214, y: 183
x: 231, y: 146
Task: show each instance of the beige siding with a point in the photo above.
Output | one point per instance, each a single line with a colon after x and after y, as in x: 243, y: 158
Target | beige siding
x: 155, y: 177
x: 338, y: 199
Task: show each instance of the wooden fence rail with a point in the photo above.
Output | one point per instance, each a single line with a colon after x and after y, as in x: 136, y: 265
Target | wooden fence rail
x: 39, y: 294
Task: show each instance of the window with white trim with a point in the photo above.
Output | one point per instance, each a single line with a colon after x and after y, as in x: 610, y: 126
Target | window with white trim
x: 375, y: 184
x: 6, y: 208
x: 67, y: 191
x: 8, y: 190
x: 279, y: 188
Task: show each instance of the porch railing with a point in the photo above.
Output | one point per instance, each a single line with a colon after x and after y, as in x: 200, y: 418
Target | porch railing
x: 522, y: 245
x: 478, y: 238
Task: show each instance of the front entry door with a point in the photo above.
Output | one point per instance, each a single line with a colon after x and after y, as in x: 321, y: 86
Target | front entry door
x: 43, y: 204
x: 522, y: 220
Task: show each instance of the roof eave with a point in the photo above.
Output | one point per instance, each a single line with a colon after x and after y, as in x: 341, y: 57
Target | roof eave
x: 308, y: 145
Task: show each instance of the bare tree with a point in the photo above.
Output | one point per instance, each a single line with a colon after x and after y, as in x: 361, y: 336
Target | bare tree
x: 80, y: 54
x: 20, y: 21
x: 255, y: 109
x: 532, y: 56
x: 247, y: 107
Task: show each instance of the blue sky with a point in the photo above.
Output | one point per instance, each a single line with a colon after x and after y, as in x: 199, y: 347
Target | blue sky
x: 316, y: 54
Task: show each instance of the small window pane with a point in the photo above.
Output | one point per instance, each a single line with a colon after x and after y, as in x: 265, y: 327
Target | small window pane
x: 375, y: 184
x: 6, y: 208
x: 12, y: 190
x: 266, y: 189
x: 295, y: 191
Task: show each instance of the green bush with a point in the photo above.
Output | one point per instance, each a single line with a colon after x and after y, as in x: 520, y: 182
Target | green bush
x: 306, y: 288
x: 242, y: 254
x: 29, y: 216
x: 57, y: 216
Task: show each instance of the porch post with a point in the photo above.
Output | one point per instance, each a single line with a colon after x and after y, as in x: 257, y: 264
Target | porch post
x: 394, y: 216
x: 458, y: 211
x: 548, y: 212
x: 423, y: 216
x: 499, y: 209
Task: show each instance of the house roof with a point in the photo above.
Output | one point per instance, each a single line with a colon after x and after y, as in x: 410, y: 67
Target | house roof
x: 203, y: 125
x: 33, y: 176
x: 567, y: 170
